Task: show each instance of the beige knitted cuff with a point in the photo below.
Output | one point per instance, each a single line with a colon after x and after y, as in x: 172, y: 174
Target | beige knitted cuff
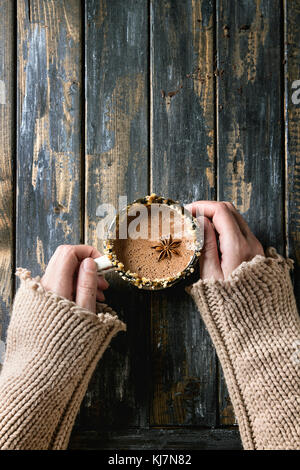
x: 254, y: 324
x: 52, y: 349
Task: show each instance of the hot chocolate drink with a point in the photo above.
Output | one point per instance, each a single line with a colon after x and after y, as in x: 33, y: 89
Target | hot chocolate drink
x: 155, y: 259
x: 154, y: 244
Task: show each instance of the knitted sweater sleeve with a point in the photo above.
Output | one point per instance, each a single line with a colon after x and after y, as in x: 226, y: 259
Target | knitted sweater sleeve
x: 52, y: 349
x: 253, y: 321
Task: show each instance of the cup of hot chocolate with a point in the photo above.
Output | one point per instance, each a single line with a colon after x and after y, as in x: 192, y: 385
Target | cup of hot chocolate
x: 153, y: 243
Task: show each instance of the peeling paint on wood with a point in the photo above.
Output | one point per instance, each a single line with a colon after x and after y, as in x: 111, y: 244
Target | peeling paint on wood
x: 117, y: 164
x: 215, y: 131
x: 249, y: 94
x: 183, y: 126
x: 240, y: 190
x: 7, y: 67
x: 182, y: 167
x: 48, y: 178
x: 122, y: 108
x: 2, y: 92
x: 249, y: 115
x: 252, y: 37
x: 292, y: 137
x: 40, y: 257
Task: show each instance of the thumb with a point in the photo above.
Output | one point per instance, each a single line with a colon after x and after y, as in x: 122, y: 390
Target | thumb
x: 209, y: 260
x: 86, y: 288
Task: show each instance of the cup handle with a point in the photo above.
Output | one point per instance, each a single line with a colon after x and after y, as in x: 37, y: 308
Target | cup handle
x: 104, y: 265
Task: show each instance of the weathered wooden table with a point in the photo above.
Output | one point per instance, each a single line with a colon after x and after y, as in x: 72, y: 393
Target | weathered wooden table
x: 192, y: 99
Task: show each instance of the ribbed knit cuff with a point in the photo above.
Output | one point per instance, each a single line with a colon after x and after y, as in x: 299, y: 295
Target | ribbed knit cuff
x: 52, y: 349
x: 254, y: 324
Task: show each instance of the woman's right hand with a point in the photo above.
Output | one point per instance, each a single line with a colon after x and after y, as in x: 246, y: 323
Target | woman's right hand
x: 72, y: 273
x: 236, y: 241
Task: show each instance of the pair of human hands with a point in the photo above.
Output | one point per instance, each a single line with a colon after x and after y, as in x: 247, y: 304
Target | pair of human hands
x: 72, y: 272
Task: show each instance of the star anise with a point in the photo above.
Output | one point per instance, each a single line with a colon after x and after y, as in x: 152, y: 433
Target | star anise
x: 167, y: 247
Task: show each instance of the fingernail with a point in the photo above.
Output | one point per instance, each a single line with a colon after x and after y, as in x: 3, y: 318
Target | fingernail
x: 89, y: 265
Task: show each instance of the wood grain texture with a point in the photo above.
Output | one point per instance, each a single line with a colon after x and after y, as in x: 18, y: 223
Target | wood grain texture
x: 249, y: 114
x: 158, y: 439
x: 250, y: 163
x: 183, y: 168
x: 182, y: 98
x: 292, y: 135
x: 116, y: 147
x: 7, y: 111
x: 48, y: 133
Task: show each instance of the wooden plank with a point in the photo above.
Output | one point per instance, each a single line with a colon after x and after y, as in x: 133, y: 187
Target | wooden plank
x: 183, y: 168
x: 48, y: 133
x: 7, y: 70
x: 292, y: 135
x: 250, y: 163
x: 117, y: 165
x: 158, y: 439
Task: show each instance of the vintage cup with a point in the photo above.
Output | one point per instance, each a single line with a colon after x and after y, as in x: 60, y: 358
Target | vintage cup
x: 109, y: 262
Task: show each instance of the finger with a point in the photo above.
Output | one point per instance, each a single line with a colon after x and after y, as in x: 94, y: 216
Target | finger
x: 234, y: 247
x: 209, y: 260
x: 222, y: 218
x: 63, y: 266
x: 67, y: 257
x: 100, y: 296
x: 240, y: 219
x: 86, y: 251
x: 86, y: 288
x: 254, y: 243
x: 61, y: 271
x: 102, y: 283
x: 230, y: 236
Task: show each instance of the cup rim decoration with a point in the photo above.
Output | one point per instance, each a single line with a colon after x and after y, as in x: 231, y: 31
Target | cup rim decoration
x: 159, y: 283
